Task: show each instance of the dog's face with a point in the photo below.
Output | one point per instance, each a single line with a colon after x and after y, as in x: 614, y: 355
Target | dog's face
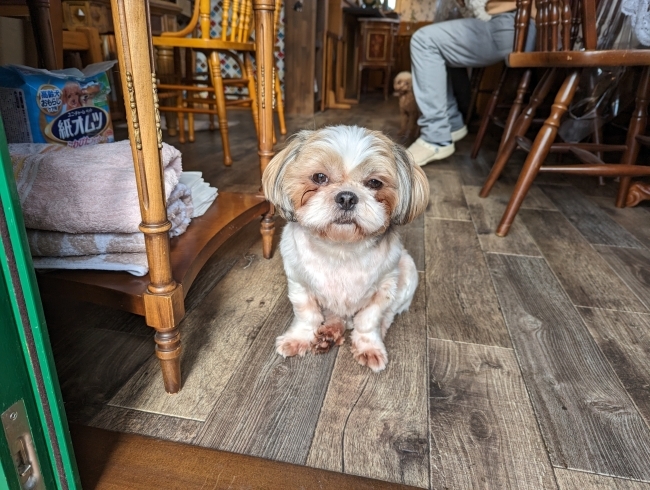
x: 345, y: 183
x: 403, y: 83
x: 71, y: 95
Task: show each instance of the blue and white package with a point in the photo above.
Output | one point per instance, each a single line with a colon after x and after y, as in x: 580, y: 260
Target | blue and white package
x: 68, y: 107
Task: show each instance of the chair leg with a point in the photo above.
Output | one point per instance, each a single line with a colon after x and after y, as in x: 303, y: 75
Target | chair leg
x: 386, y: 81
x: 637, y: 126
x: 180, y: 119
x: 267, y: 229
x: 279, y: 104
x: 220, y: 101
x: 522, y: 124
x: 475, y: 85
x: 168, y: 352
x: 487, y: 115
x: 252, y: 92
x: 539, y: 150
x: 515, y: 110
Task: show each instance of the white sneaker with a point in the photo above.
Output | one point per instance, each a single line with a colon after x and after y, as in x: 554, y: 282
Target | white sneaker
x: 424, y: 152
x: 459, y: 134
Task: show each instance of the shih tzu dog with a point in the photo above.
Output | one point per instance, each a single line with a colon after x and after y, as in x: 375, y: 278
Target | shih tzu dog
x: 342, y: 190
x: 408, y: 107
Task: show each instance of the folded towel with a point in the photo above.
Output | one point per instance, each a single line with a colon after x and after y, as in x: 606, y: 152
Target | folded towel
x: 91, y: 189
x: 118, y: 251
x: 203, y: 195
x: 135, y: 264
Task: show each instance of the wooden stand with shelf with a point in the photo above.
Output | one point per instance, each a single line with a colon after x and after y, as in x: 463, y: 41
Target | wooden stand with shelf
x: 173, y: 264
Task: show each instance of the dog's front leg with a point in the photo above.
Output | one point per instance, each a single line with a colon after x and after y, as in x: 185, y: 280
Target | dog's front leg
x: 300, y: 336
x: 367, y: 337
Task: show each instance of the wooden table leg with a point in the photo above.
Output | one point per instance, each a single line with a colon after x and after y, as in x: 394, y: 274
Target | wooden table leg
x: 164, y: 298
x: 264, y: 32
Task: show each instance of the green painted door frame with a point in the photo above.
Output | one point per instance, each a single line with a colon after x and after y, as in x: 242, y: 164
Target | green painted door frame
x: 27, y: 369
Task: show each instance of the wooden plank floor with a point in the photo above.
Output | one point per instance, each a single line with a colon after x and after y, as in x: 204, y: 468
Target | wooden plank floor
x: 523, y: 362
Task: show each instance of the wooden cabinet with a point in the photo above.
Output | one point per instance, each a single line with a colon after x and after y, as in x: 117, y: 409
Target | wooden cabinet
x: 97, y: 14
x: 377, y: 37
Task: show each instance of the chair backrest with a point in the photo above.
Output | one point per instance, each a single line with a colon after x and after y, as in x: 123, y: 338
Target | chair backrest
x: 237, y: 22
x: 557, y: 23
x: 575, y: 33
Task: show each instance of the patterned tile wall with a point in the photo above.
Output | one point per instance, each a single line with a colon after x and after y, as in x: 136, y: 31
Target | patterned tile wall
x: 417, y: 10
x: 228, y: 67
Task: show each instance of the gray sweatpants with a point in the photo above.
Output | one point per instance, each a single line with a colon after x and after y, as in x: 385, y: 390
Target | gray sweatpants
x: 455, y: 43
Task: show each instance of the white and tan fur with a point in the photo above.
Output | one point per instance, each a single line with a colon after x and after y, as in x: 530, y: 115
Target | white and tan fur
x: 343, y: 189
x: 408, y: 107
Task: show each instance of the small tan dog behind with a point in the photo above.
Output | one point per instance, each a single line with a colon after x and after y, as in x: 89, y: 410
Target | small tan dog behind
x: 408, y: 108
x: 344, y: 190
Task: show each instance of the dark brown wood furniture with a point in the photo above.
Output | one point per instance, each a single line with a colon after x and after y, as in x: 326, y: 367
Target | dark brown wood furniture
x: 555, y: 21
x: 46, y: 23
x: 377, y: 39
x: 173, y: 264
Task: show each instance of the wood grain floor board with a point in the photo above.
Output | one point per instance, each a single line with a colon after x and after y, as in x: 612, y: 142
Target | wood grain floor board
x: 461, y: 302
x: 237, y: 247
x: 386, y: 412
x: 584, y: 273
x: 146, y: 424
x: 215, y: 337
x: 486, y: 214
x: 635, y: 220
x: 579, y: 480
x: 624, y: 338
x: 586, y: 417
x: 413, y: 240
x: 114, y: 461
x: 446, y: 199
x: 633, y: 266
x: 481, y: 421
x: 270, y: 406
x: 594, y: 224
x: 93, y: 364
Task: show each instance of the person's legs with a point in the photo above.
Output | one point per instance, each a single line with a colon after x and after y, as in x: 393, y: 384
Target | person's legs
x: 456, y: 43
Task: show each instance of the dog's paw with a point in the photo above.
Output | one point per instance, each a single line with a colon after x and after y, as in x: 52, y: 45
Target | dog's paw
x: 288, y: 346
x: 367, y: 354
x: 329, y: 334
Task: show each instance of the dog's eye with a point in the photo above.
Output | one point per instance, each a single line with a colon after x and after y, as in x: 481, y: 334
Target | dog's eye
x: 320, y: 179
x: 374, y: 183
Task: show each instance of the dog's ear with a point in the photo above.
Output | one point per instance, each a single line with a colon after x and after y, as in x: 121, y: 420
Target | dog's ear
x: 413, y: 188
x: 273, y: 177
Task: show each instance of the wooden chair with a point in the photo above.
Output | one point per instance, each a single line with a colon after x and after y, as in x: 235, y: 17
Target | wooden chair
x: 236, y: 43
x: 203, y: 80
x: 85, y: 41
x: 495, y: 102
x: 235, y: 40
x: 175, y: 263
x: 47, y: 25
x: 556, y: 19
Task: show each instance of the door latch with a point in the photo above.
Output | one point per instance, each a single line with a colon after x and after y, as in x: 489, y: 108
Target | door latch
x: 21, y: 445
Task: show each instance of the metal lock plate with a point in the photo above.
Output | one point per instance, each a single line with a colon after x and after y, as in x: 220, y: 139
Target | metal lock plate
x: 21, y: 446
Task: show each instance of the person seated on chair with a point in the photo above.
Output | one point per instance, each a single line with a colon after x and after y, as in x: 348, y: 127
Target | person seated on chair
x: 478, y: 41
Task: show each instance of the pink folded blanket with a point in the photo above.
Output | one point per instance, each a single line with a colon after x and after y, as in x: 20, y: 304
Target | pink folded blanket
x: 90, y: 189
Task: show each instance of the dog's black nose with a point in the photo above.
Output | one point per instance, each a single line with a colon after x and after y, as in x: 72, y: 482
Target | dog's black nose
x: 346, y: 200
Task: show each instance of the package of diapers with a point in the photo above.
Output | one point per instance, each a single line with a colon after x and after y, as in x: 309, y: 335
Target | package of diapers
x: 67, y: 107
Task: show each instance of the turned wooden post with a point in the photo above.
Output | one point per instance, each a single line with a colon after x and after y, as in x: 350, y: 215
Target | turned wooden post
x: 163, y: 299
x: 521, y: 125
x: 264, y: 42
x: 638, y: 123
x: 539, y: 150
